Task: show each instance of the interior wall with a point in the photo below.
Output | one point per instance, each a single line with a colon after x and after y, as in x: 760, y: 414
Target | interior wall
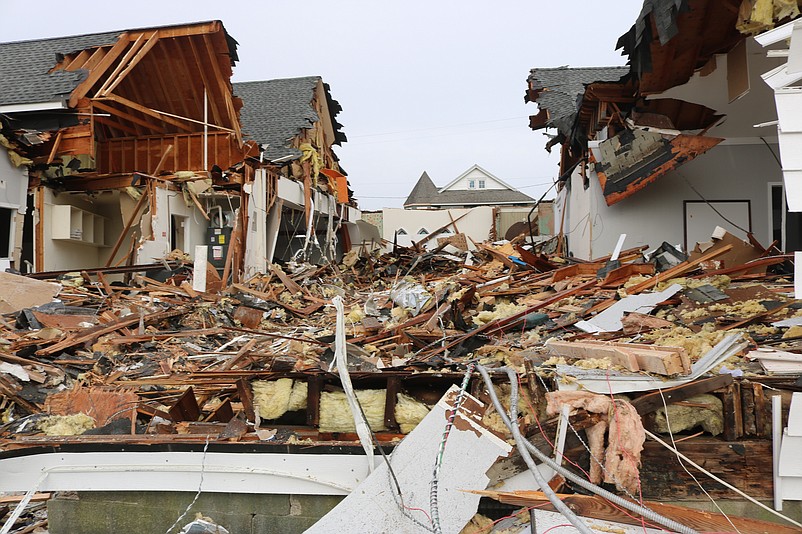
x: 169, y: 203
x: 655, y: 214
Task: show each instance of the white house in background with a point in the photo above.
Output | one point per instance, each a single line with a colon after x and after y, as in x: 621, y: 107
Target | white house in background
x: 474, y: 187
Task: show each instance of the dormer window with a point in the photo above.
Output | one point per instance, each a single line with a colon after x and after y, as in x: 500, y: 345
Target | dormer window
x: 401, y: 231
x: 423, y: 231
x: 471, y: 184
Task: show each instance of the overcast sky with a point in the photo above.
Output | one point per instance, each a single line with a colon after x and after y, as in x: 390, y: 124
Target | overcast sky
x: 424, y: 85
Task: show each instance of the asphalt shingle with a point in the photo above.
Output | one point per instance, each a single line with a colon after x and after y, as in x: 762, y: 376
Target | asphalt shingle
x: 25, y: 66
x: 275, y: 111
x: 559, y: 90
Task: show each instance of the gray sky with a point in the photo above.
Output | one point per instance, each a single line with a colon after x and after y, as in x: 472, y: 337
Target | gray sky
x: 424, y: 85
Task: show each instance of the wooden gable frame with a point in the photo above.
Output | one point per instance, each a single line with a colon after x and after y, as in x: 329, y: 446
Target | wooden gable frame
x: 146, y: 92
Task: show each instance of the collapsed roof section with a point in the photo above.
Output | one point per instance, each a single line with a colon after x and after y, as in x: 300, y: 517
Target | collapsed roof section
x: 89, y: 97
x: 558, y: 92
x: 670, y: 40
x: 276, y: 112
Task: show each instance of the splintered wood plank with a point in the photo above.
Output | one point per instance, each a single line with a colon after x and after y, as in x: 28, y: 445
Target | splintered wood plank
x: 102, y: 404
x: 186, y: 407
x: 246, y: 398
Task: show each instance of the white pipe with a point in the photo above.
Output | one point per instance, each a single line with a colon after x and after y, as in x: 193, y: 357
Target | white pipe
x: 776, y: 444
x: 205, y: 130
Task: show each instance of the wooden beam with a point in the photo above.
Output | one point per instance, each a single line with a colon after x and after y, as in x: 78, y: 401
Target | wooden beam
x: 147, y: 111
x: 97, y: 72
x: 54, y: 150
x: 128, y: 224
x: 184, y: 31
x: 39, y: 230
x: 78, y: 61
x: 151, y: 42
x: 121, y: 64
x: 116, y: 125
x: 598, y: 508
x: 225, y: 89
x: 127, y: 116
x: 208, y: 84
x: 161, y: 60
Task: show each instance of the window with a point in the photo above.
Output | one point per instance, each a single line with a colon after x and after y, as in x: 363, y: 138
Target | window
x: 471, y: 184
x: 401, y: 231
x: 423, y: 231
x: 481, y: 184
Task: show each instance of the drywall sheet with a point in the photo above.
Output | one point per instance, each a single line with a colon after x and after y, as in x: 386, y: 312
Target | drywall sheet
x: 374, y: 506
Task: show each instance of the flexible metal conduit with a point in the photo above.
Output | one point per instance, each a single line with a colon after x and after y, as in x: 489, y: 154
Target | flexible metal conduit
x: 512, y: 424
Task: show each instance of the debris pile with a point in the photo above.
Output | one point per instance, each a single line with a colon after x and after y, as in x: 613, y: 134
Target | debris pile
x: 648, y: 345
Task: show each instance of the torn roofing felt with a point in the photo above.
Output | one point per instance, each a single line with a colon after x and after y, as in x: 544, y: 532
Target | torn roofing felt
x: 275, y: 111
x: 557, y: 92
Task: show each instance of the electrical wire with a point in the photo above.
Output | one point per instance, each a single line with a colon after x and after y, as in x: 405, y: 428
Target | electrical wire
x: 200, y: 488
x: 633, y: 507
x: 682, y: 464
x: 511, y: 421
x: 433, y: 505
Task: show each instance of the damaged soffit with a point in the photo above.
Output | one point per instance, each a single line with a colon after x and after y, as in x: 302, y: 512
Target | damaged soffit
x: 275, y: 111
x: 637, y: 157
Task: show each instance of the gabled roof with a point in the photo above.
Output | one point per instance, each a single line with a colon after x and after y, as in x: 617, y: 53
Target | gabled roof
x: 480, y: 169
x: 425, y: 193
x: 25, y: 66
x: 558, y: 90
x: 275, y: 111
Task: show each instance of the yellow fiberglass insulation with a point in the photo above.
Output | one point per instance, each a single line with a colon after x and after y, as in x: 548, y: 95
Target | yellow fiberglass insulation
x: 696, y: 343
x: 335, y: 413
x: 66, y: 425
x: 502, y: 310
x: 409, y: 412
x: 274, y: 398
x: 703, y: 410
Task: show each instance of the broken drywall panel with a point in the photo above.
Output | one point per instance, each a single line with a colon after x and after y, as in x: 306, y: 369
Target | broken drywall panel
x: 610, y: 319
x: 470, y: 452
x: 255, y: 256
x: 18, y: 292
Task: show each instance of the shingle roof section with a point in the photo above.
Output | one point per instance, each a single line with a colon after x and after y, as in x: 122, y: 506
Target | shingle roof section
x: 24, y: 66
x: 425, y: 193
x: 559, y: 89
x: 275, y: 111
